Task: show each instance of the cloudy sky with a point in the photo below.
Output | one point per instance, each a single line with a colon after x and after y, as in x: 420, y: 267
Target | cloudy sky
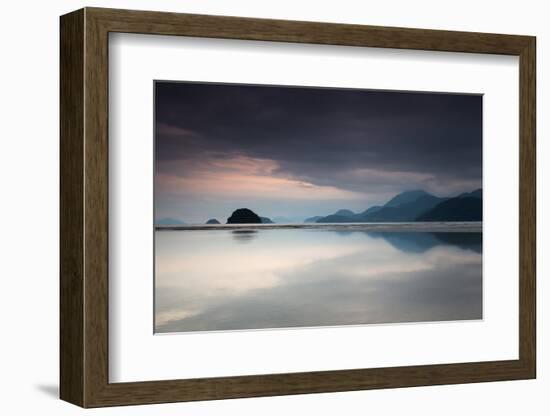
x: 298, y: 152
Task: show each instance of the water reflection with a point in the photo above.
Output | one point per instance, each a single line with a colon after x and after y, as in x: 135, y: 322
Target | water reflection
x: 421, y: 242
x: 289, y: 278
x: 243, y: 236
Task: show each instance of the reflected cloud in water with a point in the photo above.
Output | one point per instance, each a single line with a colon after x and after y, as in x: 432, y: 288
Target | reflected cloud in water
x: 291, y: 278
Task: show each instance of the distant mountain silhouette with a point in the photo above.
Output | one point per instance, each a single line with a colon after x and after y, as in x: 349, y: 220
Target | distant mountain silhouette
x: 283, y: 219
x: 244, y: 216
x: 406, y: 197
x: 407, y: 211
x: 212, y: 221
x: 344, y: 213
x: 371, y: 210
x: 168, y: 222
x: 406, y: 206
x: 409, y: 206
x: 266, y: 220
x: 478, y: 193
x: 461, y: 208
x: 336, y: 218
x: 313, y: 219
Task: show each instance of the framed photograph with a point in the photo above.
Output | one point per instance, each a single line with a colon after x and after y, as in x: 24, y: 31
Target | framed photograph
x: 257, y: 207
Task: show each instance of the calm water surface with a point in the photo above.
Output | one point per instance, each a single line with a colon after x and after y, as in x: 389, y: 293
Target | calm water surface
x: 211, y: 280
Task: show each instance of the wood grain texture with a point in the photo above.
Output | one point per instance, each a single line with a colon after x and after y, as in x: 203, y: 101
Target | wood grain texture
x: 84, y: 207
x: 162, y: 23
x: 71, y: 208
x: 527, y: 208
x: 96, y: 219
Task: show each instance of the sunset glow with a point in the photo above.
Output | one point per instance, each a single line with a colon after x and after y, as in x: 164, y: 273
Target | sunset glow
x: 245, y: 177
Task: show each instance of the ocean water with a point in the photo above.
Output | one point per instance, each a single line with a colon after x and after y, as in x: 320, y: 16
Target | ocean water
x: 219, y: 279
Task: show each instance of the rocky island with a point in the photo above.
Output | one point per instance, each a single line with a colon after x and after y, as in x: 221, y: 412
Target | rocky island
x: 244, y: 216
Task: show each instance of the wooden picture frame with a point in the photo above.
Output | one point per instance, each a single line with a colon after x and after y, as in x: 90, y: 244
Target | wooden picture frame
x: 84, y: 207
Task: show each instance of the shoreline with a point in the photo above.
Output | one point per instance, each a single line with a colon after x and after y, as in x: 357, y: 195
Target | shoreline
x: 463, y: 227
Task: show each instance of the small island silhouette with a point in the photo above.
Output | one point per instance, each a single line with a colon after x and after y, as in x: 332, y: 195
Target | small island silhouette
x: 244, y: 216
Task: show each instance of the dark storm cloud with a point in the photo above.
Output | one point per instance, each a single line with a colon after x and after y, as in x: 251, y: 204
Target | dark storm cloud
x: 318, y: 134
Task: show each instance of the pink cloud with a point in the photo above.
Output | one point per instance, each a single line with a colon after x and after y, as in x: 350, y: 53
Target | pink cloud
x: 246, y: 177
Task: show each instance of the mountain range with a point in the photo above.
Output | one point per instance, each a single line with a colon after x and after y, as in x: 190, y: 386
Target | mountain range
x: 416, y: 205
x: 164, y: 222
x: 408, y: 206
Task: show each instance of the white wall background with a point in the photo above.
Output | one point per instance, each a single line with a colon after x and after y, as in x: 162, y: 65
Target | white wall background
x: 29, y: 161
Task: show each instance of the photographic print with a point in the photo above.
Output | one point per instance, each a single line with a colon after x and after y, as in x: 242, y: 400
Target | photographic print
x: 285, y: 206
